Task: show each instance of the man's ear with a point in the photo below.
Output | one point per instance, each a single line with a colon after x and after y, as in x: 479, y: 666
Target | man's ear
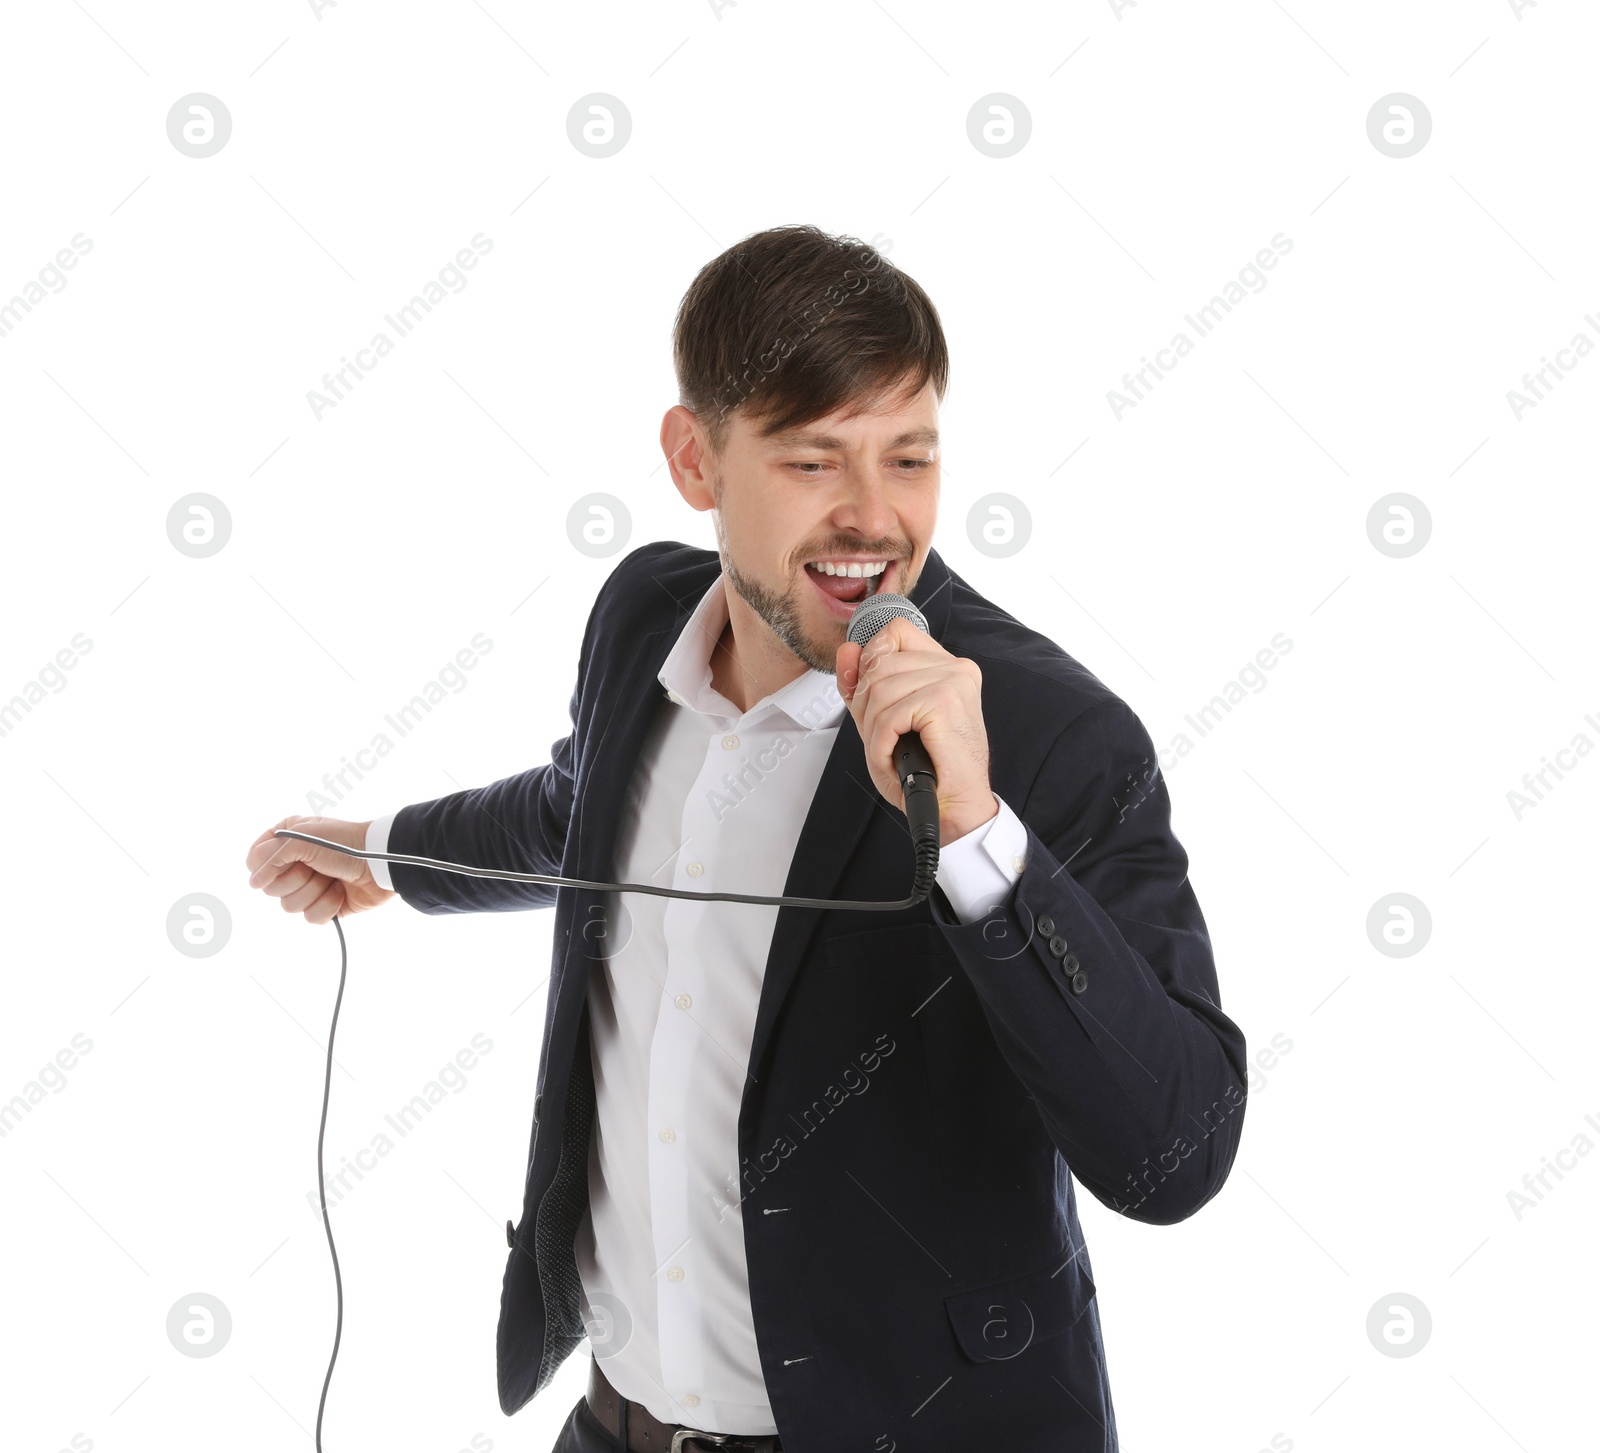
x: 687, y: 451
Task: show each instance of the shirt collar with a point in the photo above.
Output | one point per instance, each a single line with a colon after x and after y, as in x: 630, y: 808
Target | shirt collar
x: 810, y: 701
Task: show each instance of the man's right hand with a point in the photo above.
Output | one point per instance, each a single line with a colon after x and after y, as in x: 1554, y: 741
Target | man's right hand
x: 315, y: 881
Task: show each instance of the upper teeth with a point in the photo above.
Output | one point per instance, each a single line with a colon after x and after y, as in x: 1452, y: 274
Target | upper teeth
x: 854, y: 568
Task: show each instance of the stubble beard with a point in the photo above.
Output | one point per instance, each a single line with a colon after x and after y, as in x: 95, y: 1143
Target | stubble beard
x: 781, y: 612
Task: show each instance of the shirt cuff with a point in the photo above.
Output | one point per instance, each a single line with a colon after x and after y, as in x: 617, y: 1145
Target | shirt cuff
x: 978, y: 871
x: 378, y: 842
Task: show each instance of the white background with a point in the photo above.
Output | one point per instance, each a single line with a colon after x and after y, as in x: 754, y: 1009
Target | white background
x: 1169, y: 144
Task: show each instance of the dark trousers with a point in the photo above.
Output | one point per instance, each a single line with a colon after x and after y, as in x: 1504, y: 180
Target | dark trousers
x: 582, y: 1433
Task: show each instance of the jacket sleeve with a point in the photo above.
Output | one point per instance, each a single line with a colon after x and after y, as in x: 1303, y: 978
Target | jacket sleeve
x: 518, y: 823
x: 1097, y: 979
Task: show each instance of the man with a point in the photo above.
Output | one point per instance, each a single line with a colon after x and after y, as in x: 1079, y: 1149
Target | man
x: 806, y: 1176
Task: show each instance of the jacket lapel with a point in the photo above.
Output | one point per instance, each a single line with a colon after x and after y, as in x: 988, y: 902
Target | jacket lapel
x: 625, y: 705
x: 626, y: 695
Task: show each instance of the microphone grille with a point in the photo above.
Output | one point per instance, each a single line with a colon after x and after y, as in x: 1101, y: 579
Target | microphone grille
x: 876, y: 611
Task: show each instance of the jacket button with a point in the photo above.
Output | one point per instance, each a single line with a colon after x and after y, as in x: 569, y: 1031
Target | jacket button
x: 536, y: 1100
x: 1080, y: 982
x: 1047, y: 926
x: 1070, y: 963
x: 1058, y: 946
x: 511, y: 1237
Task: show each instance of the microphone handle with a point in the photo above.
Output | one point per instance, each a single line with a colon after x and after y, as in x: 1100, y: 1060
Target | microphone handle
x: 911, y: 756
x: 914, y: 769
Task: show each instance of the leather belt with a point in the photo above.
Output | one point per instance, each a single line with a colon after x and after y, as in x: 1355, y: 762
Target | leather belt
x: 648, y: 1434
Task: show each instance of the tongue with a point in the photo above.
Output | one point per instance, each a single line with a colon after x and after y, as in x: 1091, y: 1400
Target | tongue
x: 841, y: 587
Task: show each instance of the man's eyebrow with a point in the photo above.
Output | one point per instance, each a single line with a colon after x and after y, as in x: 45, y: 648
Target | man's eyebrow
x: 796, y: 439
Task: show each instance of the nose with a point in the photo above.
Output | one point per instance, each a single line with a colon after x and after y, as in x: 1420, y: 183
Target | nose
x: 864, y: 507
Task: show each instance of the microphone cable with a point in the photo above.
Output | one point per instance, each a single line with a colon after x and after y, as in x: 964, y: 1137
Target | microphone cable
x: 322, y: 1185
x: 918, y: 783
x: 922, y: 813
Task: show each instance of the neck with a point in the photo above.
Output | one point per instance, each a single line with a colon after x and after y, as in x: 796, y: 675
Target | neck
x: 746, y: 677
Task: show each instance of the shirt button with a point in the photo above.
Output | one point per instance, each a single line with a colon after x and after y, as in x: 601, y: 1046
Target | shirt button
x: 694, y: 870
x: 669, y: 1135
x: 674, y: 1273
x: 730, y: 743
x: 690, y: 1399
x: 1018, y: 863
x: 683, y: 1001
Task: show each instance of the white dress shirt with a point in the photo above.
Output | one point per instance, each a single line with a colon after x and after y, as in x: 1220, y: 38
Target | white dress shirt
x: 716, y: 803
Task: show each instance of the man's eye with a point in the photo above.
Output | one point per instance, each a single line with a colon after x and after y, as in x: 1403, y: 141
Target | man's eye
x: 807, y: 466
x: 916, y: 463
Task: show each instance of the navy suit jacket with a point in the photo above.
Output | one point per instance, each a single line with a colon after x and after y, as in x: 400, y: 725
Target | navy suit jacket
x: 922, y: 1093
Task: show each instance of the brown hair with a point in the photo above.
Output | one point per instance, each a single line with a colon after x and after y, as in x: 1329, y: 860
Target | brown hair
x: 792, y: 324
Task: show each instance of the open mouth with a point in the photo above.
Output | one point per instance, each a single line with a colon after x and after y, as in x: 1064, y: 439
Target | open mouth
x: 845, y: 585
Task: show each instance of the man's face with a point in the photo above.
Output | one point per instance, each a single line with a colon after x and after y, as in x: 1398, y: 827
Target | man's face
x: 856, y: 493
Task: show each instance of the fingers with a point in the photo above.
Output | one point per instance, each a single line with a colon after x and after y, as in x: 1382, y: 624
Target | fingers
x: 291, y: 879
x: 312, y: 893
x: 889, y: 690
x: 909, y: 700
x: 267, y: 850
x: 892, y: 650
x: 328, y: 903
x: 270, y: 856
x: 854, y: 664
x: 889, y: 676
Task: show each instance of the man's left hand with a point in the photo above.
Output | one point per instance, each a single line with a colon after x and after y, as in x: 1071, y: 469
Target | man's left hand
x: 903, y: 681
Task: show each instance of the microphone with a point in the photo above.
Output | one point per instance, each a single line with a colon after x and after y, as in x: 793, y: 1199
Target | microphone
x: 912, y: 765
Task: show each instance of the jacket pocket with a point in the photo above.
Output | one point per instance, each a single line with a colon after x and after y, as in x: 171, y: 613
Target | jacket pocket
x: 1004, y: 1318
x: 902, y: 946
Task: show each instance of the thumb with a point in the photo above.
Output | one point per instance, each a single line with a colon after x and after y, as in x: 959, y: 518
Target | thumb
x: 847, y: 667
x: 277, y: 854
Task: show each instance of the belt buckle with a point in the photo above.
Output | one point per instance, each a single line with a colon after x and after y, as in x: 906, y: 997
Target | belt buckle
x: 715, y: 1440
